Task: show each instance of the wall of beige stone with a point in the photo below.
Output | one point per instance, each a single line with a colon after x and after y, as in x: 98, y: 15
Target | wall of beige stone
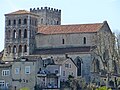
x: 7, y: 79
x: 30, y: 78
x: 55, y: 40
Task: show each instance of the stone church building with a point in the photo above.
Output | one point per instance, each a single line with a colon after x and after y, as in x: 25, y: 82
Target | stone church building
x: 39, y: 32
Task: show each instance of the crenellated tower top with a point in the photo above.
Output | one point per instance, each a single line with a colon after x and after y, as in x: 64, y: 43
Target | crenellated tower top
x: 47, y: 15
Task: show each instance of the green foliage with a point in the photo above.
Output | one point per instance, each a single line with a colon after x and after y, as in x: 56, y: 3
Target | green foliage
x: 103, y: 88
x: 70, y: 77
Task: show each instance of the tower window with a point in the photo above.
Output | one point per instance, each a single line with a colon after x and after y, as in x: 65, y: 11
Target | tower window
x: 25, y: 21
x: 25, y: 48
x: 14, y: 49
x: 63, y: 41
x: 25, y: 33
x: 36, y: 22
x: 14, y: 34
x: 42, y: 21
x: 19, y: 35
x: 20, y: 48
x: 84, y: 40
x: 9, y: 49
x: 8, y: 34
x: 19, y: 21
x: 14, y: 22
x: 9, y: 22
x: 57, y: 22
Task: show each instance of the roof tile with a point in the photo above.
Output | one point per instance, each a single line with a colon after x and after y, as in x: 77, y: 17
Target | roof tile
x: 80, y: 28
x: 20, y: 12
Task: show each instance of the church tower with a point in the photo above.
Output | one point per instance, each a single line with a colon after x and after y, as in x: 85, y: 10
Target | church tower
x: 20, y: 29
x: 47, y: 16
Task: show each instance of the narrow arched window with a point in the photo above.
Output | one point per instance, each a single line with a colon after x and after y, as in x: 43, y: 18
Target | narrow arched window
x: 9, y: 34
x: 14, y: 34
x: 20, y: 48
x: 14, y: 22
x: 19, y: 21
x: 25, y: 33
x: 25, y: 48
x: 63, y: 41
x: 9, y: 49
x: 14, y: 49
x: 57, y: 22
x: 84, y: 40
x: 25, y: 21
x: 42, y: 21
x: 36, y: 22
x: 9, y: 22
x: 19, y: 34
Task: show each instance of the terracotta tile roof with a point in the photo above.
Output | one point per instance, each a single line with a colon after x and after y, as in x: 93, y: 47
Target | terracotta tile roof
x: 20, y: 12
x: 80, y: 28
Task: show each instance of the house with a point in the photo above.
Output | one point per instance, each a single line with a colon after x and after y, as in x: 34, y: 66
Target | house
x: 49, y: 77
x: 24, y: 72
x: 59, y: 71
x: 5, y: 76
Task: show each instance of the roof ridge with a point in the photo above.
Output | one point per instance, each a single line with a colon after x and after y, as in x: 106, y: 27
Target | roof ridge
x: 20, y: 12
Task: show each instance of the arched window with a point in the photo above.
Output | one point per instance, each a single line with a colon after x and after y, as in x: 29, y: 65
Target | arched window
x: 25, y: 48
x: 9, y: 34
x: 19, y: 21
x: 36, y: 22
x: 63, y: 41
x: 9, y: 49
x: 57, y: 22
x: 25, y: 21
x: 14, y: 22
x: 20, y: 48
x: 84, y: 40
x: 79, y: 62
x: 19, y: 34
x: 9, y: 22
x: 14, y: 49
x: 25, y: 33
x: 42, y: 21
x: 14, y: 34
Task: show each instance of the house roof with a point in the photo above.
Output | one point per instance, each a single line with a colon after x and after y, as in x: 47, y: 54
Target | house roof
x: 19, y: 12
x: 78, y: 28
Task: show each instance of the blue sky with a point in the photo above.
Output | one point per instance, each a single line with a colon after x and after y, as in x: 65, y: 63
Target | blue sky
x: 73, y: 11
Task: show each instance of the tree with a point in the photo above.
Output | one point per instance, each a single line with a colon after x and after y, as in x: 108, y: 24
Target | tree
x: 76, y: 83
x: 101, y: 52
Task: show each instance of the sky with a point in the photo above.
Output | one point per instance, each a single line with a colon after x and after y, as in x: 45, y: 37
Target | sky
x: 72, y: 11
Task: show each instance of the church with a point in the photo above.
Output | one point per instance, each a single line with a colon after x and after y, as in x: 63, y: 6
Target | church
x: 39, y: 33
